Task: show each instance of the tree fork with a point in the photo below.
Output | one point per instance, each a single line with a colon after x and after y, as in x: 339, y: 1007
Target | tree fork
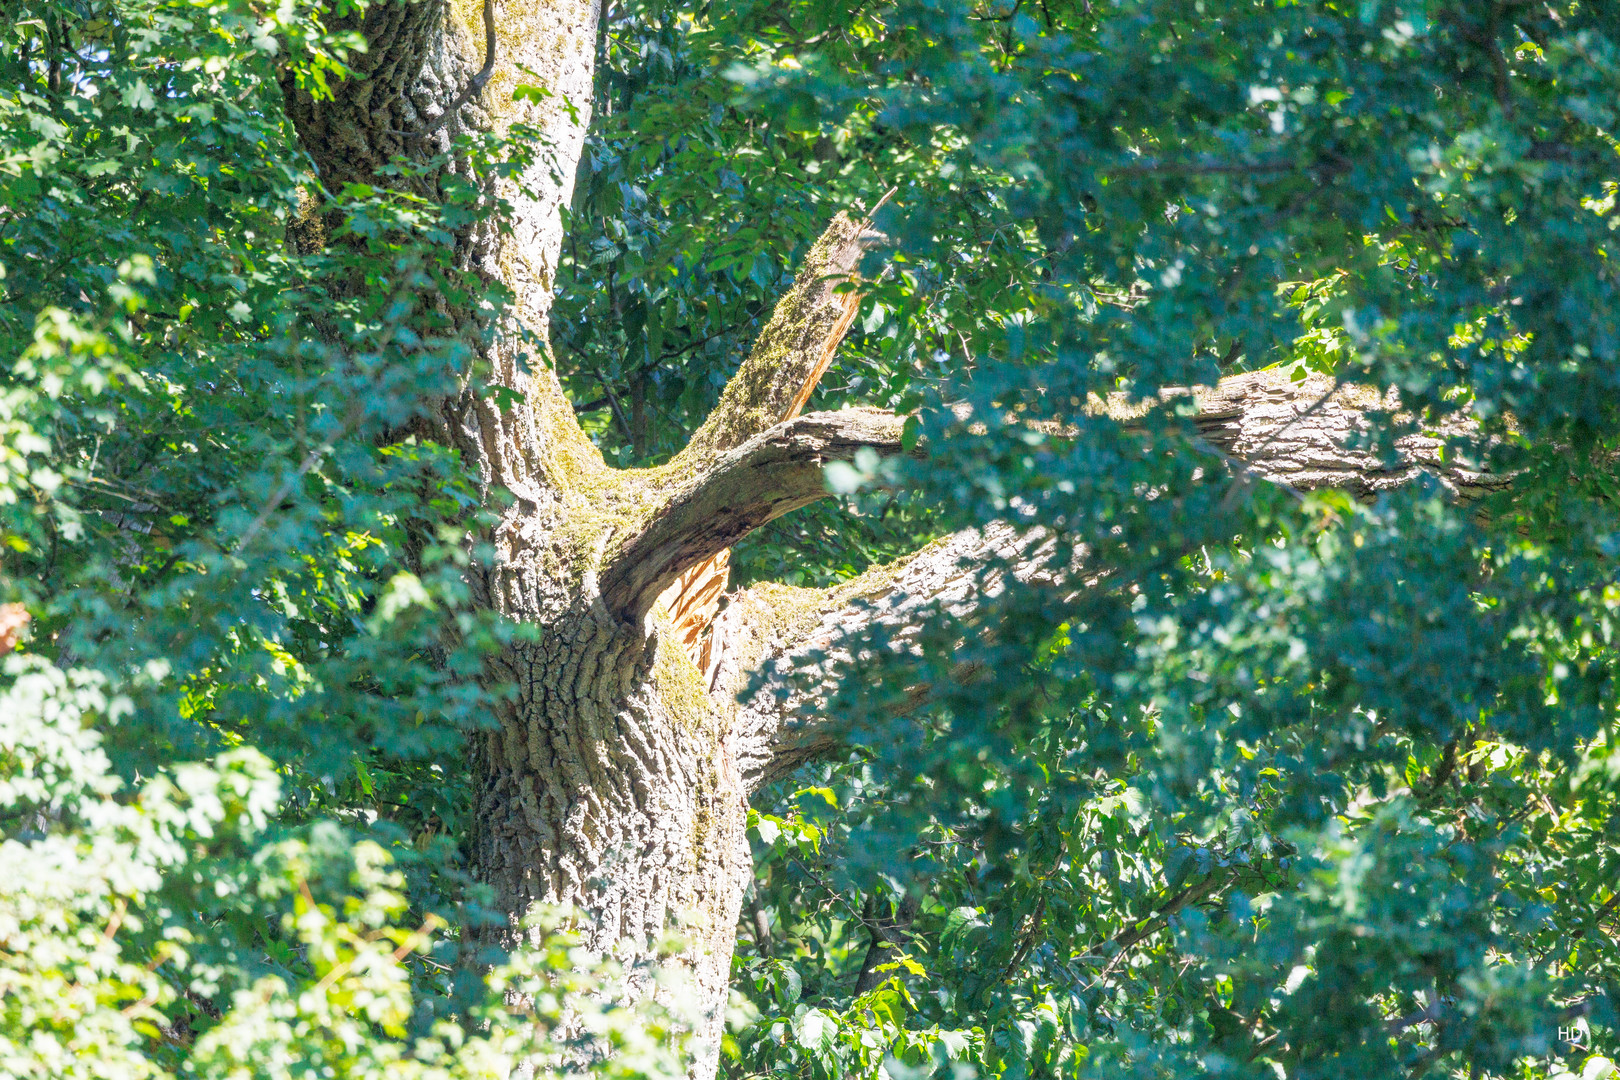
x: 616, y: 777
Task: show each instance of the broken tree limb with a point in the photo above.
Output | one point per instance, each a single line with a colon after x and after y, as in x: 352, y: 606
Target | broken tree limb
x: 767, y: 476
x: 797, y: 344
x: 794, y: 348
x: 1306, y: 435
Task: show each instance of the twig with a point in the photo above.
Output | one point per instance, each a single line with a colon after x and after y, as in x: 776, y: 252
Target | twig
x: 613, y: 403
x: 866, y: 220
x: 870, y: 924
x: 1602, y: 913
x: 1160, y: 919
x: 1030, y: 938
x: 274, y: 501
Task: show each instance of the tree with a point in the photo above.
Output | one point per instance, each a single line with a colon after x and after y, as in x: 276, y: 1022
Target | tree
x: 1177, y: 571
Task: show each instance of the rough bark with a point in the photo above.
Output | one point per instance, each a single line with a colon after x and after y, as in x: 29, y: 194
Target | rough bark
x: 1315, y: 434
x: 801, y: 640
x: 617, y: 778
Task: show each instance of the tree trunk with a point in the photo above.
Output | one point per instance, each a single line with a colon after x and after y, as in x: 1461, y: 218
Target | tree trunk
x: 618, y: 778
x: 610, y: 783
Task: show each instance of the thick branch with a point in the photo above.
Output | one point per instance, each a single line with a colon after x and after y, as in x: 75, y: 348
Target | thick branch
x: 1310, y: 434
x: 764, y: 478
x: 776, y: 382
x: 799, y: 639
x: 794, y: 348
x: 433, y: 70
x: 1304, y: 435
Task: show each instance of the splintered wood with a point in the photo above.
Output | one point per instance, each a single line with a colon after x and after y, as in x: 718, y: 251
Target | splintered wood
x: 694, y: 599
x: 692, y: 603
x: 13, y: 620
x: 851, y: 304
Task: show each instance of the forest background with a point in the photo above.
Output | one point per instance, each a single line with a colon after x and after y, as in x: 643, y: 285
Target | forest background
x: 1299, y: 779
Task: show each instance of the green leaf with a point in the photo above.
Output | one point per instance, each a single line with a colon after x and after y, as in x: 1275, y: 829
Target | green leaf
x: 814, y: 1030
x: 909, y: 433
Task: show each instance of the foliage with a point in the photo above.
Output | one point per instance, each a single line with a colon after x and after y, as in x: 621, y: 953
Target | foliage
x: 1298, y: 788
x: 1304, y: 787
x: 285, y: 943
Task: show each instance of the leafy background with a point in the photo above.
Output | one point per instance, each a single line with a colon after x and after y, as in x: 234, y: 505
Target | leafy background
x: 1302, y: 788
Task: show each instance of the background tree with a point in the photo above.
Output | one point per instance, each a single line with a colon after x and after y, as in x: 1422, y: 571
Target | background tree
x: 1265, y: 728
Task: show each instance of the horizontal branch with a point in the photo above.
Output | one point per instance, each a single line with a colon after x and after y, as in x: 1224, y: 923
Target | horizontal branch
x: 767, y: 476
x: 1316, y: 432
x: 785, y: 650
x: 1304, y: 434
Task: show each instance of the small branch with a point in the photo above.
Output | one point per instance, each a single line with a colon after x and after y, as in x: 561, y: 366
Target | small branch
x: 1303, y: 435
x: 1128, y: 938
x: 885, y: 935
x: 1424, y: 1015
x: 1447, y: 766
x: 1036, y: 924
x: 1597, y: 919
x: 275, y: 500
x: 761, y: 925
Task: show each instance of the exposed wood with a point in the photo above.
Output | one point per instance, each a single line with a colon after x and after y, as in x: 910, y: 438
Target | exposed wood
x: 850, y: 304
x: 13, y: 621
x: 693, y: 599
x: 794, y: 348
x: 772, y: 473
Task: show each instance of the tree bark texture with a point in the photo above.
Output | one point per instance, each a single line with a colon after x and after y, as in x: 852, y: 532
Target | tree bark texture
x: 617, y: 779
